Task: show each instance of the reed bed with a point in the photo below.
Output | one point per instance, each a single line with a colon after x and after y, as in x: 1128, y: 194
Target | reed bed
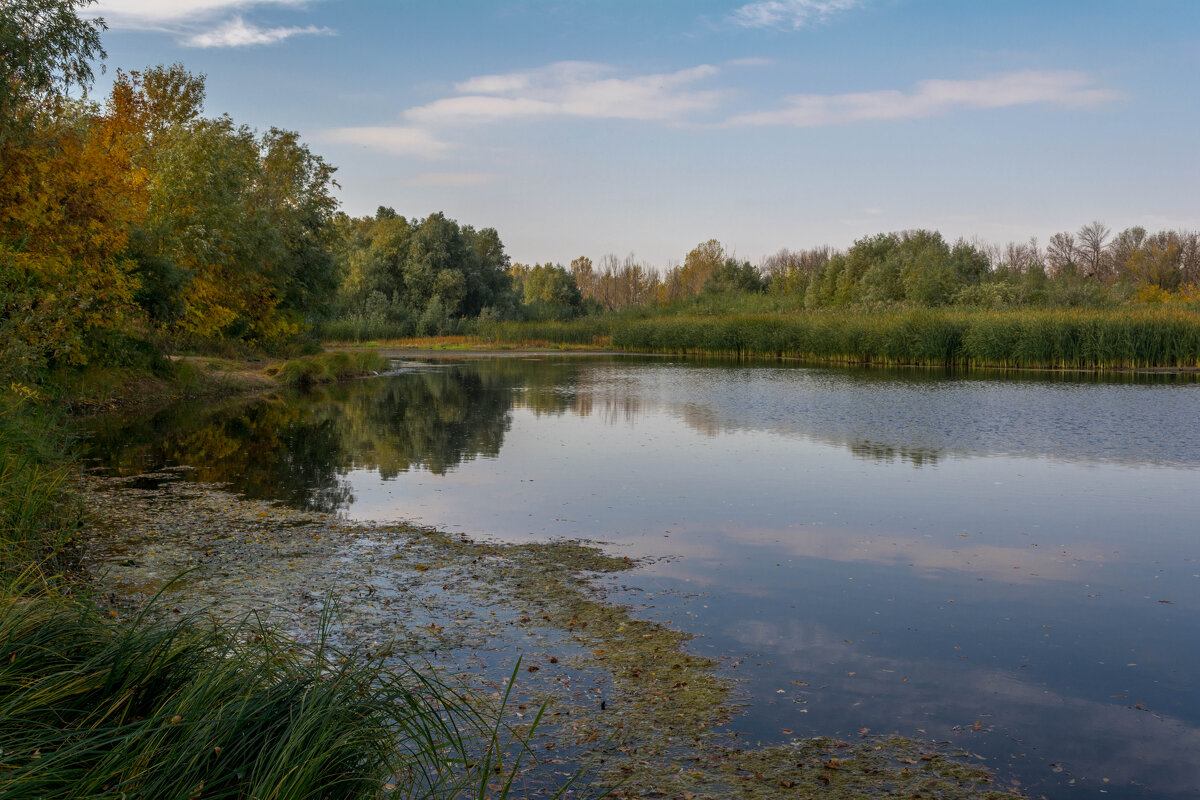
x: 38, y: 515
x: 1153, y: 337
x: 583, y: 332
x: 362, y: 329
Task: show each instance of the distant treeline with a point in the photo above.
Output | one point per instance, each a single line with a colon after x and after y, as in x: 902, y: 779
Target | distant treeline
x: 429, y: 276
x: 918, y: 269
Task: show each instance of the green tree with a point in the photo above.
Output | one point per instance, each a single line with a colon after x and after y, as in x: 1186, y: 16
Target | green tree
x: 872, y: 272
x: 431, y: 270
x: 550, y: 292
x: 45, y: 49
x: 732, y: 277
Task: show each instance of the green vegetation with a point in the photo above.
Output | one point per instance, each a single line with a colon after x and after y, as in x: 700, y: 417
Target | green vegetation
x: 38, y: 514
x: 139, y: 226
x: 329, y: 368
x: 1135, y: 338
x: 95, y: 704
x: 899, y: 298
x: 93, y: 707
x: 191, y: 232
x: 128, y: 229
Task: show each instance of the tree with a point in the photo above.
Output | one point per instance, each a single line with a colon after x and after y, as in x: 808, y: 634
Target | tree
x: 73, y: 190
x: 789, y: 271
x: 870, y: 272
x: 428, y: 269
x: 585, y: 275
x: 733, y: 276
x: 699, y: 265
x: 1062, y: 254
x: 1158, y: 262
x: 550, y: 292
x: 45, y: 49
x: 1092, y: 239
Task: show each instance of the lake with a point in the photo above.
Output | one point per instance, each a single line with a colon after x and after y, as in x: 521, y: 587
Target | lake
x: 1005, y: 562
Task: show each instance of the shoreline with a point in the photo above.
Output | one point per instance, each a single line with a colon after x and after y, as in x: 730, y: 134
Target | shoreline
x: 449, y: 354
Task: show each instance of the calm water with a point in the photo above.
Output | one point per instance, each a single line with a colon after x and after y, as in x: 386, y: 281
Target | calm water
x: 1007, y: 564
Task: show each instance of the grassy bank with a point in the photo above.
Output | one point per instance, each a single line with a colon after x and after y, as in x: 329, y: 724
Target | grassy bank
x: 1153, y: 337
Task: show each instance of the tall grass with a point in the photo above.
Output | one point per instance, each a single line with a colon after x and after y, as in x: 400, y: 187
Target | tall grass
x: 583, y: 332
x: 1167, y: 337
x: 362, y: 329
x: 38, y: 515
x: 90, y: 707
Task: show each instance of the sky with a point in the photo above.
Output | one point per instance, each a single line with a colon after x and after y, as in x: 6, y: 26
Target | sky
x: 589, y: 127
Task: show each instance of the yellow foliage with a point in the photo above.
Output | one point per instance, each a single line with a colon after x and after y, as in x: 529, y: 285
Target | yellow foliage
x: 72, y: 188
x: 1151, y: 294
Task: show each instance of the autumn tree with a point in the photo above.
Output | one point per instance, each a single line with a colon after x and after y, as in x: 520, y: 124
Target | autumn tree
x: 790, y: 271
x: 72, y: 186
x: 699, y: 265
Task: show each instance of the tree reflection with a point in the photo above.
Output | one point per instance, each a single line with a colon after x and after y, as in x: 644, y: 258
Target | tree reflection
x: 298, y: 448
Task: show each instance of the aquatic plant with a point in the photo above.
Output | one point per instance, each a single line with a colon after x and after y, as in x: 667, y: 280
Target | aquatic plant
x: 1166, y: 336
x: 329, y: 367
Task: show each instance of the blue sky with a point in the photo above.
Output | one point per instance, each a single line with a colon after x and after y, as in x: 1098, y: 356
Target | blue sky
x: 584, y: 127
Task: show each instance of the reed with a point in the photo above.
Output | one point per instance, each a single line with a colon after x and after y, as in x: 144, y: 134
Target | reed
x: 362, y: 329
x: 583, y: 332
x: 1092, y: 339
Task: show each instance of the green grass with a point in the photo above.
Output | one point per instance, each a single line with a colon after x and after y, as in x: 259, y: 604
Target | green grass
x: 92, y: 707
x: 329, y: 368
x: 1136, y: 337
x: 38, y: 514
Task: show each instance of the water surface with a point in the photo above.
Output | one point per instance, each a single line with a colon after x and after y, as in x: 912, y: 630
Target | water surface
x: 1008, y: 563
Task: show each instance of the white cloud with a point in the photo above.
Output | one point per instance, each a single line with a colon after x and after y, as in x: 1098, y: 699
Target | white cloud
x: 789, y: 14
x: 160, y: 13
x: 563, y: 89
x: 238, y: 33
x: 452, y: 180
x: 933, y: 97
x: 571, y: 89
x: 397, y: 140
x: 192, y: 21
